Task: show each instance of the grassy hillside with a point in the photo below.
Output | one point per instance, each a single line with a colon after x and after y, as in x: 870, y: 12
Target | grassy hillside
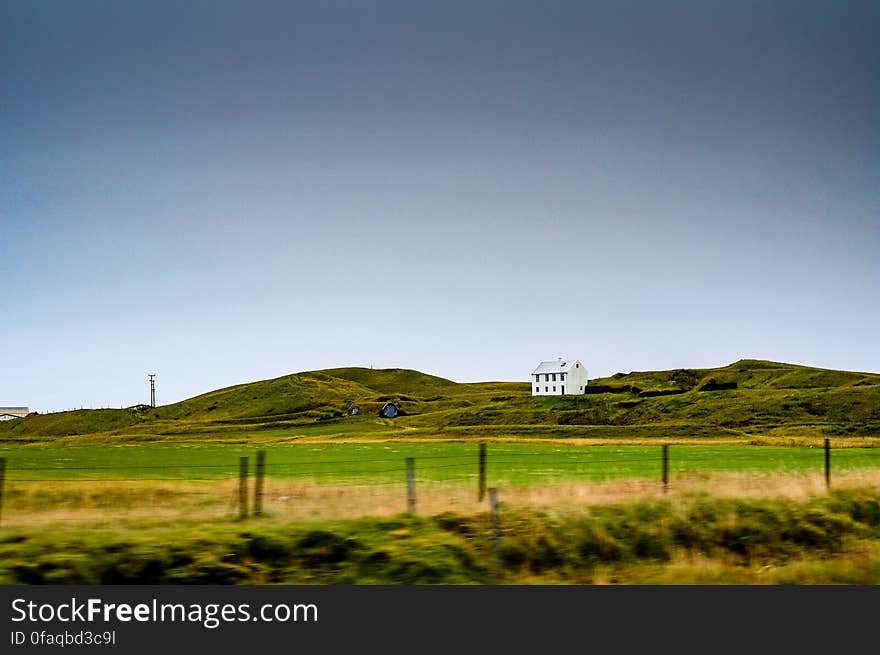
x: 747, y: 399
x: 746, y: 374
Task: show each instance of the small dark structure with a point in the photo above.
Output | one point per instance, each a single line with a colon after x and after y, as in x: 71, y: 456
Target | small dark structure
x: 389, y: 410
x: 354, y: 409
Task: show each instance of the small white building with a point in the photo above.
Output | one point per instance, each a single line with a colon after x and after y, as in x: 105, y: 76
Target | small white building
x: 9, y: 413
x: 560, y: 377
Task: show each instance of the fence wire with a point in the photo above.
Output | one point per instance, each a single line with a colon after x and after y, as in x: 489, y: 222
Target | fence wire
x: 117, y: 495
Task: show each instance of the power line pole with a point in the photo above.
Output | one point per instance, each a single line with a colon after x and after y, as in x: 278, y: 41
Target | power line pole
x: 152, y: 390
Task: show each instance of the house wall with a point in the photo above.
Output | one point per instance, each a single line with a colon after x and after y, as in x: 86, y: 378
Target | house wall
x: 548, y: 384
x: 577, y: 377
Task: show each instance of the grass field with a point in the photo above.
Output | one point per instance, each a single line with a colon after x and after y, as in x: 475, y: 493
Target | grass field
x: 164, y: 481
x: 334, y: 513
x: 508, y: 463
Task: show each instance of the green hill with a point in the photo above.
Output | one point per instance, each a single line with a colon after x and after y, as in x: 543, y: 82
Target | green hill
x: 747, y: 399
x: 747, y: 374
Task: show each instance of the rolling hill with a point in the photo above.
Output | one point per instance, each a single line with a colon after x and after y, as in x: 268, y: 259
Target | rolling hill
x: 747, y: 399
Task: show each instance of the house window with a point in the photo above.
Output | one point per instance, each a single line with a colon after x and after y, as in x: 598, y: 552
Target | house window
x: 546, y: 377
x: 537, y: 389
x: 545, y: 389
x: 554, y: 389
x: 577, y: 365
x: 582, y: 388
x: 562, y: 388
x: 554, y: 376
x: 562, y: 377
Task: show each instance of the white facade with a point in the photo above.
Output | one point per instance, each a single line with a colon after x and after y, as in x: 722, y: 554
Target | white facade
x: 9, y: 413
x: 561, y: 377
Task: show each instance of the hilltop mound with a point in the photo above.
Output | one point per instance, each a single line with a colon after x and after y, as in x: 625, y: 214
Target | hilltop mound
x: 310, y: 394
x: 743, y: 374
x: 392, y: 380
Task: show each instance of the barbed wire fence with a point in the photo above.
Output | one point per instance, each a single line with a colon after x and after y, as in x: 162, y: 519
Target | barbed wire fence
x: 113, y: 495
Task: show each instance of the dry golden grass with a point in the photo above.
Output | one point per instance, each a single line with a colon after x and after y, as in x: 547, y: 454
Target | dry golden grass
x: 860, y: 564
x: 117, y: 503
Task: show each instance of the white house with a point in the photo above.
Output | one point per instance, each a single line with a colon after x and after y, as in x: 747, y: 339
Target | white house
x: 9, y: 413
x: 559, y: 377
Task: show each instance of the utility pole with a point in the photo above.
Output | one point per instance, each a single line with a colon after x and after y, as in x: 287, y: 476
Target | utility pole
x: 152, y: 390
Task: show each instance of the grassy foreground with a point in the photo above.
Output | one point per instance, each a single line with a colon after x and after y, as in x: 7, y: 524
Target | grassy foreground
x: 689, y: 539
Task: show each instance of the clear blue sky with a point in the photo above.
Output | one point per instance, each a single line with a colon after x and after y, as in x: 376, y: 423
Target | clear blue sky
x: 225, y: 192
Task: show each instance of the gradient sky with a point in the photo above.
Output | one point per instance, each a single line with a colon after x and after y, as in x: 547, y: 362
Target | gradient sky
x: 225, y: 192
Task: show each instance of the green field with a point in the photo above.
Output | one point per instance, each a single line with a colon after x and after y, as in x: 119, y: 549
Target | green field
x: 335, y: 514
x: 92, y: 485
x: 507, y: 463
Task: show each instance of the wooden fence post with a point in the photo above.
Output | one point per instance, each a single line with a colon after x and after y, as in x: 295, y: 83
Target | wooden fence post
x: 665, y: 467
x: 410, y: 485
x: 2, y: 481
x: 260, y: 473
x: 242, y: 487
x: 827, y: 463
x: 496, y: 529
x: 481, y: 485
